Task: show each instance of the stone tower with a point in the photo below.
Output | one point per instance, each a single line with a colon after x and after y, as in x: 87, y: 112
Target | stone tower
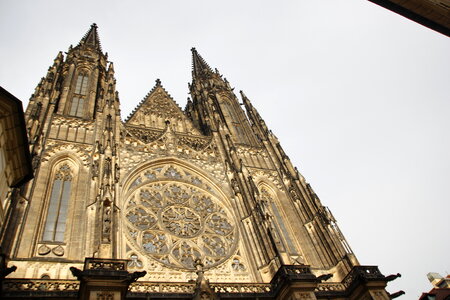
x: 207, y: 190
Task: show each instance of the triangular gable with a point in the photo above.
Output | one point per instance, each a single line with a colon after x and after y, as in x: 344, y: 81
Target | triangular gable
x: 157, y: 108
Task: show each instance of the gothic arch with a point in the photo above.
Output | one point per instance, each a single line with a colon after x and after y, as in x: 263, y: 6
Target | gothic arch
x: 75, y: 153
x: 82, y: 78
x: 270, y: 197
x: 61, y: 166
x: 65, y: 156
x: 173, y: 214
x: 128, y: 180
x: 69, y: 165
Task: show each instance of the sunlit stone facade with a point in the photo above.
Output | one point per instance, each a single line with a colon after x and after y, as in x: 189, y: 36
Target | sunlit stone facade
x: 204, y: 193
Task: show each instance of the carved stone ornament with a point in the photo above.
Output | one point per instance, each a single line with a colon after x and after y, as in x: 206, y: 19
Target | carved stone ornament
x: 44, y: 250
x: 176, y: 219
x: 58, y: 250
x: 55, y: 148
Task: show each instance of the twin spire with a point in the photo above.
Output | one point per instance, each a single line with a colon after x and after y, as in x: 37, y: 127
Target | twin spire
x: 199, y: 65
x: 91, y: 38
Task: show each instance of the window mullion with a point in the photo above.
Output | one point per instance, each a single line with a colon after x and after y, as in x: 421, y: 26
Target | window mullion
x: 57, y: 210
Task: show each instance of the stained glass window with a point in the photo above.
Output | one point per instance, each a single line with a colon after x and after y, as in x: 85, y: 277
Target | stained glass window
x: 55, y: 225
x: 175, y: 222
x: 77, y: 105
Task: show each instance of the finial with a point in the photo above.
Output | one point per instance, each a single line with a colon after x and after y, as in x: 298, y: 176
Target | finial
x: 158, y: 81
x: 244, y: 97
x: 94, y: 25
x: 193, y: 49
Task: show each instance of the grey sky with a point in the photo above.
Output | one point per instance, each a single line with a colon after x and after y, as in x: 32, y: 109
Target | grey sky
x: 358, y: 96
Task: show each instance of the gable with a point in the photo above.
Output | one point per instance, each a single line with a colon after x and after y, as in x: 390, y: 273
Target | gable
x: 156, y: 109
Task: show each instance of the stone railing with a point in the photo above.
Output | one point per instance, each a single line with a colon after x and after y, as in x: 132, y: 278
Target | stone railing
x: 105, y: 264
x: 188, y: 288
x: 242, y: 288
x: 37, y: 286
x: 330, y: 287
x: 69, y: 288
x: 162, y: 287
x: 362, y: 273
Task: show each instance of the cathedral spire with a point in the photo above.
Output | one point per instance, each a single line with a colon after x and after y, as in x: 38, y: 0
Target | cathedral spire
x: 199, y: 65
x: 91, y: 38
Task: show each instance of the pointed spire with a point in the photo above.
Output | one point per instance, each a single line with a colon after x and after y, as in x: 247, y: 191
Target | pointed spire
x: 199, y: 65
x: 111, y: 68
x: 253, y: 115
x: 91, y: 38
x: 60, y: 56
x: 248, y: 105
x: 244, y: 98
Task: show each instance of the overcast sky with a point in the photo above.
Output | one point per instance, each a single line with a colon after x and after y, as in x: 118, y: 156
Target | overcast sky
x: 358, y: 96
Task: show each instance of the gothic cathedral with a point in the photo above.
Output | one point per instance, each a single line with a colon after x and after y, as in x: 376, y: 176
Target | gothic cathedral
x: 200, y: 203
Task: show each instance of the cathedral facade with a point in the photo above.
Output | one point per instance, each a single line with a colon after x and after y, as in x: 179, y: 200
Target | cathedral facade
x: 200, y: 203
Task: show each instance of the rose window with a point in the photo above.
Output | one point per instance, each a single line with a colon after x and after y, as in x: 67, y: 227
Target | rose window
x: 181, y: 221
x: 177, y: 222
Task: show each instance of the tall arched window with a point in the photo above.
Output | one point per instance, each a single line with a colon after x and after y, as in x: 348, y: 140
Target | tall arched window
x: 231, y: 111
x: 269, y: 200
x: 79, y: 95
x: 55, y: 225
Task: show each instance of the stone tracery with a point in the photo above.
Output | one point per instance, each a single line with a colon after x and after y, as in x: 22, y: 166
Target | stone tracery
x: 175, y: 218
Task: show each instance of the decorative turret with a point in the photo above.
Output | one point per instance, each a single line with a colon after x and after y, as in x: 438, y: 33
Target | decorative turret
x: 258, y: 124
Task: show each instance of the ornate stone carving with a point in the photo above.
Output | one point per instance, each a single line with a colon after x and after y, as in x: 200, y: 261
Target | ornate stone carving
x: 106, y: 230
x: 272, y: 175
x: 181, y: 221
x: 105, y: 264
x: 135, y: 262
x: 58, y: 250
x: 145, y: 135
x: 81, y: 151
x: 44, y: 250
x: 40, y: 285
x: 177, y: 222
x: 73, y: 122
x: 162, y: 106
x: 237, y: 265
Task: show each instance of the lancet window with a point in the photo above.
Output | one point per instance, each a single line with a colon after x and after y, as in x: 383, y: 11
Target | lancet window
x: 55, y: 224
x: 79, y: 95
x: 238, y: 132
x: 268, y: 199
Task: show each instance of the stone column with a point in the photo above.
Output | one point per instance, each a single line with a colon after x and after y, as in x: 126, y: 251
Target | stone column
x: 104, y: 279
x: 293, y: 282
